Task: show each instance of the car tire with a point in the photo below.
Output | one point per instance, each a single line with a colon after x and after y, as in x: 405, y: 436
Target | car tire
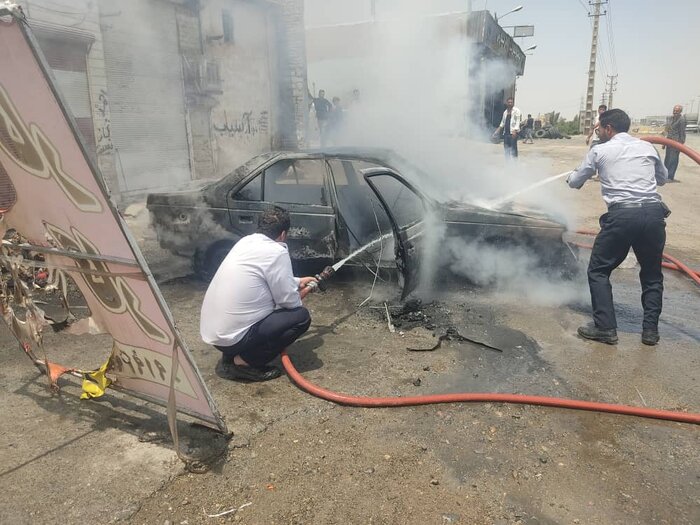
x: 206, y: 265
x: 540, y: 133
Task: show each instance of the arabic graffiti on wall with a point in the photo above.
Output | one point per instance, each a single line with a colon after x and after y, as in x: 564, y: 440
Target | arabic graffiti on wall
x: 249, y: 124
x: 104, y: 131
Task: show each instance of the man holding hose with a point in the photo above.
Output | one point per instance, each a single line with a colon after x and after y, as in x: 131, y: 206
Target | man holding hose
x: 630, y: 171
x: 252, y: 309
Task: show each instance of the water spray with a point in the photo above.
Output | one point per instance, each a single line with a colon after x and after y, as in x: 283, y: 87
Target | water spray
x: 499, y: 202
x: 329, y: 271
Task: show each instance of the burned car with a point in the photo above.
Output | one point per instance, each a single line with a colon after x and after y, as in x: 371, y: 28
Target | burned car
x: 339, y: 200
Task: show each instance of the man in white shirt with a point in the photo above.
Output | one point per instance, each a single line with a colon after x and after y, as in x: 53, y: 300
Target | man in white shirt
x: 630, y: 171
x: 252, y: 309
x: 510, y: 127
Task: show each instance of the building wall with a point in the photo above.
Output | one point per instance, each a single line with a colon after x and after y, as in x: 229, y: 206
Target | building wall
x: 82, y: 16
x: 238, y: 35
x: 259, y: 102
x: 262, y: 101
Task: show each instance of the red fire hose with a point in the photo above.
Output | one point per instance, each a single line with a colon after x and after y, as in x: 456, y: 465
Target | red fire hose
x: 673, y: 144
x: 521, y: 399
x: 473, y: 397
x: 672, y: 263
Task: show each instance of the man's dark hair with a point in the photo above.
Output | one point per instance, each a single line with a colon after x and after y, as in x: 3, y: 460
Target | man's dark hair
x: 616, y: 119
x: 273, y: 222
x: 603, y: 106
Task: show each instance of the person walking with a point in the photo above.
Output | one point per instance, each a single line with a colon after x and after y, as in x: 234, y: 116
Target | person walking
x: 252, y: 309
x: 630, y: 171
x: 510, y: 128
x: 528, y: 128
x: 674, y: 131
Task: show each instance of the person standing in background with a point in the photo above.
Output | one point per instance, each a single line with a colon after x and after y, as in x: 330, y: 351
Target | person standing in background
x: 596, y: 123
x: 510, y: 127
x: 323, y: 110
x: 335, y: 120
x: 674, y: 131
x: 529, y: 126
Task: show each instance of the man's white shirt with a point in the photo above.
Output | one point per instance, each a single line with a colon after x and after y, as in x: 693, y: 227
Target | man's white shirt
x: 254, y: 280
x: 516, y: 117
x: 630, y: 170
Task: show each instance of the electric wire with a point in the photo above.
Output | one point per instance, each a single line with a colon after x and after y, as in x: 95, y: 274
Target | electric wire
x: 611, y: 39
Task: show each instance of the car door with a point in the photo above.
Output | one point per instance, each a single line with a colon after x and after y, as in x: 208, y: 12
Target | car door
x: 406, y: 209
x: 301, y: 186
x: 245, y: 203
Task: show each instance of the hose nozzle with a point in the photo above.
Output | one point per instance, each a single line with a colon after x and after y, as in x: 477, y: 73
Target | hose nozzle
x: 323, y: 276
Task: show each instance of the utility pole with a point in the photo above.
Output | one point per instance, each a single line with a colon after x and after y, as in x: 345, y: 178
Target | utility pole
x: 612, y: 87
x: 591, y: 65
x: 373, y: 7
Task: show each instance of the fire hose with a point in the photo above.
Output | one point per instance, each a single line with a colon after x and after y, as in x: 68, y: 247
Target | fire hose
x: 520, y: 399
x: 673, y: 144
x: 486, y: 397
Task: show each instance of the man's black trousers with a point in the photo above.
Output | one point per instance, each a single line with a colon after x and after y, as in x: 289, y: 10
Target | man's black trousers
x: 671, y: 161
x: 267, y: 338
x: 644, y: 230
x: 510, y: 145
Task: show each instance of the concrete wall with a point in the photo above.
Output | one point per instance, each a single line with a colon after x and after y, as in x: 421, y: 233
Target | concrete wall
x: 261, y: 102
x: 241, y: 120
x: 83, y: 16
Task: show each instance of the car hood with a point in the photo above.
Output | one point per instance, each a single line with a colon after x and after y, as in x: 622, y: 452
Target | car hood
x: 458, y: 212
x: 191, y: 193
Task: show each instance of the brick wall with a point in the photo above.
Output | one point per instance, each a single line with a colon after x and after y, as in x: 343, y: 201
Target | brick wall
x: 293, y: 79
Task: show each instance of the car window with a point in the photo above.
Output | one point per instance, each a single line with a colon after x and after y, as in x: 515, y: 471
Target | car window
x: 339, y: 168
x: 348, y: 173
x: 296, y: 182
x: 251, y: 191
x: 406, y: 207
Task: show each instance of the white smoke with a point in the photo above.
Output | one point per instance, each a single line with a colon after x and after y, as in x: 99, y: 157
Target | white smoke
x: 415, y: 99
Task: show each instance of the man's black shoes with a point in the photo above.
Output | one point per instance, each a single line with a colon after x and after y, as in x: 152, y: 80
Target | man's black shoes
x: 594, y: 333
x: 235, y: 372
x: 650, y: 337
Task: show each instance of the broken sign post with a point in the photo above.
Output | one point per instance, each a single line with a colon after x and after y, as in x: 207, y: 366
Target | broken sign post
x: 60, y: 205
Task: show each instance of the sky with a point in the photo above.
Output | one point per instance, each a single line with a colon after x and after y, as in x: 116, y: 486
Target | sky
x: 654, y: 48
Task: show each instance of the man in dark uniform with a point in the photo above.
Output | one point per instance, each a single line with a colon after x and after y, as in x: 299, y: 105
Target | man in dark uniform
x: 629, y: 170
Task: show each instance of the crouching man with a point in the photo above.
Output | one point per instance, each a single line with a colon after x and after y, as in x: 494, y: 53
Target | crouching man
x: 252, y: 309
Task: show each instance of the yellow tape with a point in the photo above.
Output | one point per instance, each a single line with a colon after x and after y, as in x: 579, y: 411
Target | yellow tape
x: 95, y: 383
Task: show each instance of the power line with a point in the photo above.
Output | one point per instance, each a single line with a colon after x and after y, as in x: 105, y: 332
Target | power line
x: 611, y: 40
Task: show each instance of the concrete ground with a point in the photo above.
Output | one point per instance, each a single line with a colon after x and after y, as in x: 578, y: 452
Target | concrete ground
x: 295, y: 459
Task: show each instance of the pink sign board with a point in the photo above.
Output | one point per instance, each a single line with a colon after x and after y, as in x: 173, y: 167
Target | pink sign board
x: 57, y: 200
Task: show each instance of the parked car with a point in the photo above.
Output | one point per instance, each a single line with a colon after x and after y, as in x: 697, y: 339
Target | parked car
x: 339, y: 199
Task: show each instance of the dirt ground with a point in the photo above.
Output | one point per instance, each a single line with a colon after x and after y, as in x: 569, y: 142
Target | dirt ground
x: 295, y: 459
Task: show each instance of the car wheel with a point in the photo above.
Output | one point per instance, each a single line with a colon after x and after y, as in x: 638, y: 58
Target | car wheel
x: 207, y: 265
x: 540, y: 133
